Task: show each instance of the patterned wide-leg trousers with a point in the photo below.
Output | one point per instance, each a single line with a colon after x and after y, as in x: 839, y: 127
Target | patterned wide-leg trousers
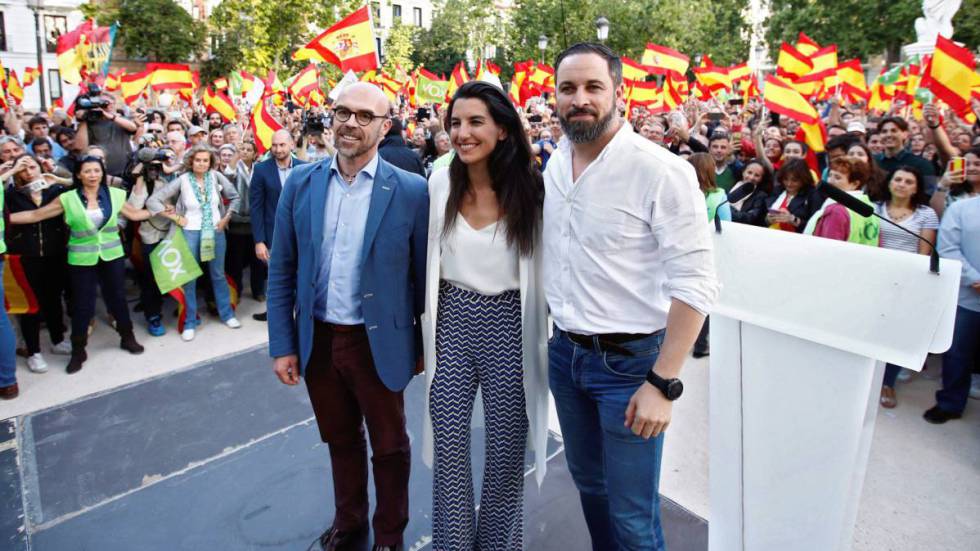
x: 478, y: 344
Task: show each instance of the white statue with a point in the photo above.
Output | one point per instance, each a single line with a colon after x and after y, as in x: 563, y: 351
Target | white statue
x: 938, y: 20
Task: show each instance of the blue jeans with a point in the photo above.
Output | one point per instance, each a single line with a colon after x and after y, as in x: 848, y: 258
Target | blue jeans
x: 8, y: 358
x: 616, y: 472
x: 216, y: 269
x: 958, y: 362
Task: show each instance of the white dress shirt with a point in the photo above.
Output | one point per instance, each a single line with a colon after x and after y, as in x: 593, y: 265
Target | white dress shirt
x: 625, y: 239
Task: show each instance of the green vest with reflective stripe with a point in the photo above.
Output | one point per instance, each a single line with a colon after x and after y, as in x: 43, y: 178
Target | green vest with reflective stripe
x: 3, y: 242
x: 714, y: 199
x: 88, y: 244
x: 864, y: 231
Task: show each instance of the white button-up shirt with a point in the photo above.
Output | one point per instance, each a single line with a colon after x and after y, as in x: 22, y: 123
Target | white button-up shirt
x: 630, y: 235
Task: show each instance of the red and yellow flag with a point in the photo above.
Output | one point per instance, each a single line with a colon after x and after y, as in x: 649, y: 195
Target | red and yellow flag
x: 661, y: 60
x: 740, y: 72
x: 14, y: 89
x: 780, y: 97
x: 18, y: 297
x: 952, y: 75
x: 644, y: 93
x: 791, y: 63
x: 264, y: 125
x: 218, y: 102
x: 170, y: 76
x: 132, y: 86
x: 30, y: 75
x: 713, y: 78
x: 458, y: 78
x: 304, y: 82
x: 852, y: 81
x: 806, y: 45
x: 543, y: 78
x: 113, y: 81
x: 349, y: 44
x: 633, y: 71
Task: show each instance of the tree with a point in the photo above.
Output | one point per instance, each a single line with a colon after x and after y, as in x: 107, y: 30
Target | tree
x: 457, y: 26
x: 158, y: 30
x: 966, y: 24
x: 859, y: 29
x: 717, y: 28
x: 399, y: 47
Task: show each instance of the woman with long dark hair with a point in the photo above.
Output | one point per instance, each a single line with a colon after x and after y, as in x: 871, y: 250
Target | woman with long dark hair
x: 794, y: 201
x: 485, y: 323
x: 95, y: 253
x: 748, y: 197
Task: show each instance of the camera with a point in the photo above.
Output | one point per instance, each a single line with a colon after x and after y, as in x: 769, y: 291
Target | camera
x: 91, y: 99
x: 313, y: 125
x: 153, y: 155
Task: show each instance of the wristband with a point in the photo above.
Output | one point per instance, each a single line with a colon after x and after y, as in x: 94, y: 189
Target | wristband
x: 932, y: 127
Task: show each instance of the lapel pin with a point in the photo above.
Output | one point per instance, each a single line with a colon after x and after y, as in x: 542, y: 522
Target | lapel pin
x: 386, y: 188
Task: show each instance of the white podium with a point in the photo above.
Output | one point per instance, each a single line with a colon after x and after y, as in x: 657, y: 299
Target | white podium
x: 799, y: 338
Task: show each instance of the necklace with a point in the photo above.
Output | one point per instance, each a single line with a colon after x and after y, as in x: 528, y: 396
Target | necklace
x: 898, y: 214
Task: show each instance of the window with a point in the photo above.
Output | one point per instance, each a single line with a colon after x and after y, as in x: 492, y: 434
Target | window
x: 54, y: 83
x: 54, y: 26
x: 417, y: 16
x: 396, y: 14
x: 3, y: 33
x: 376, y: 13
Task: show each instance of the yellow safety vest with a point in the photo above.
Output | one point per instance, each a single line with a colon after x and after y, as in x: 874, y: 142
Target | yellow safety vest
x: 88, y: 244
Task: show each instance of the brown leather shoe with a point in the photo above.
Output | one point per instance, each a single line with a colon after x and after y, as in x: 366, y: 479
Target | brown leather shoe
x: 9, y: 392
x: 339, y: 540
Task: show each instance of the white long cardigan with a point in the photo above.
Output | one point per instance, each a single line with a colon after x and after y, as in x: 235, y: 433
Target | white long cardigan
x: 534, y: 326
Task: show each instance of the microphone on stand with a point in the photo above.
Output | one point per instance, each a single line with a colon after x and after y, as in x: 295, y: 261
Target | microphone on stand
x: 735, y: 197
x: 866, y: 210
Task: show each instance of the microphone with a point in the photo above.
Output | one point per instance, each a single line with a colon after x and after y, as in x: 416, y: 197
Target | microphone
x: 866, y: 210
x: 735, y: 197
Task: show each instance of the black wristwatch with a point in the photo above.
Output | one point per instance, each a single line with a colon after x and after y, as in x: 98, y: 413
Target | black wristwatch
x: 670, y: 388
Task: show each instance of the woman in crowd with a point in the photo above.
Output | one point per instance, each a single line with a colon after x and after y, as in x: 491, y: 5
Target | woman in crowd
x: 241, y: 246
x: 228, y: 161
x: 793, y: 201
x: 876, y: 186
x: 41, y: 247
x: 714, y: 196
x: 99, y: 152
x: 835, y: 221
x: 484, y: 322
x: 198, y: 197
x: 955, y: 185
x: 95, y: 252
x: 748, y: 197
x: 216, y: 138
x: 905, y: 203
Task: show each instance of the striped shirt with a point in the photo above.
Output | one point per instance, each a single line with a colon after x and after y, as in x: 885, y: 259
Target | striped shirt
x: 924, y: 218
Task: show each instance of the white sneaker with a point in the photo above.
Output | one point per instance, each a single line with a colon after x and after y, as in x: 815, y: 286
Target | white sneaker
x: 233, y: 323
x: 187, y: 335
x: 905, y: 375
x: 975, y: 386
x: 63, y: 348
x: 37, y: 364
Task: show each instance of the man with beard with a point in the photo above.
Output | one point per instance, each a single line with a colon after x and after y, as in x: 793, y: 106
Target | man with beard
x: 346, y: 289
x: 629, y: 278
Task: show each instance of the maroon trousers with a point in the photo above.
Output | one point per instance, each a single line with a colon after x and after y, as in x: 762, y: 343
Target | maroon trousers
x: 347, y: 394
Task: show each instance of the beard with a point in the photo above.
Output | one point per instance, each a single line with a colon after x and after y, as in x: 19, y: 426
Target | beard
x: 367, y: 141
x: 585, y: 132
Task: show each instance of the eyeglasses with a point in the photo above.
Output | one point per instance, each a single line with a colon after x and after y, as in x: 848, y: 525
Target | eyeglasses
x: 363, y: 118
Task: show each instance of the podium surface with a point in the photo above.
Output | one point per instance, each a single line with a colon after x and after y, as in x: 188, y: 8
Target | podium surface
x: 799, y: 338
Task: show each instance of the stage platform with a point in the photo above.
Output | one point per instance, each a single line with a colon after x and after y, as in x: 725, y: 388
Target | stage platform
x: 220, y: 456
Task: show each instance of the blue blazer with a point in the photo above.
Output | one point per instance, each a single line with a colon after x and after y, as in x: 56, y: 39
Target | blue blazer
x: 392, y: 267
x: 263, y: 196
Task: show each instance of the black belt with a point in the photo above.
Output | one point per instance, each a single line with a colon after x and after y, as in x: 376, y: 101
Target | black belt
x: 337, y: 328
x: 609, y: 342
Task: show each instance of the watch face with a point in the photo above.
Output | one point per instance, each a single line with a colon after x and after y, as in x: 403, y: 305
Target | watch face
x: 674, y: 389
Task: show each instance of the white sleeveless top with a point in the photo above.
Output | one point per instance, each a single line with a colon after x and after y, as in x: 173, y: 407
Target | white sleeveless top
x: 479, y: 260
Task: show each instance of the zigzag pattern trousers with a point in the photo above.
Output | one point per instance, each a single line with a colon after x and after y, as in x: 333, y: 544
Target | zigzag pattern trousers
x: 478, y: 344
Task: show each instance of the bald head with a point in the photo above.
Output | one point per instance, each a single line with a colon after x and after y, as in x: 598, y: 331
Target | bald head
x: 366, y: 109
x: 364, y: 93
x: 282, y: 145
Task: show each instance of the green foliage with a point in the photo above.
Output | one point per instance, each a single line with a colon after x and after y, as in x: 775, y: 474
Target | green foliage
x: 966, y: 24
x: 860, y: 29
x: 399, y: 47
x: 158, y: 30
x: 458, y: 25
x: 717, y: 28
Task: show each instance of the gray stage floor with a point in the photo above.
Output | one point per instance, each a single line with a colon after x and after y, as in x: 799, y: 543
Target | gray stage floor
x: 221, y: 456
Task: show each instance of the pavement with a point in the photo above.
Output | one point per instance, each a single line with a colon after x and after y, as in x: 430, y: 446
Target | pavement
x: 201, y: 437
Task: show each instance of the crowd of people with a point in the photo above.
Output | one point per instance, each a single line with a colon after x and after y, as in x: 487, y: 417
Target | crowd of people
x: 87, y: 198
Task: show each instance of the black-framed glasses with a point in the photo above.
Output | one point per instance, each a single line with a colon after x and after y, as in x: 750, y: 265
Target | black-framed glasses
x: 363, y: 118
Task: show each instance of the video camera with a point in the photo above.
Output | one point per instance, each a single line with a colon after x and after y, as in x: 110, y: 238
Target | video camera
x: 90, y: 100
x: 314, y: 125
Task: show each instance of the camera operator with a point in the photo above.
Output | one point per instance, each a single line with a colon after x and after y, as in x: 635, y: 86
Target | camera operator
x: 149, y: 174
x: 315, y: 142
x: 100, y: 124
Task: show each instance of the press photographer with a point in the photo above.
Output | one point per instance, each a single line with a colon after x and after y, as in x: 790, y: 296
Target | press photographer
x: 100, y: 124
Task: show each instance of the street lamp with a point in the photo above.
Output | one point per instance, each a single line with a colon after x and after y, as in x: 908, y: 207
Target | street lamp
x: 489, y: 51
x: 36, y: 6
x: 542, y: 45
x: 602, y: 29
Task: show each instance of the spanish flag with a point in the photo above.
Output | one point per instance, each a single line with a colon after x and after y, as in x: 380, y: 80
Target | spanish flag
x: 661, y: 60
x: 264, y: 125
x: 806, y: 45
x: 170, y: 76
x: 952, y: 75
x: 740, y: 72
x: 543, y: 78
x: 14, y: 89
x: 304, y: 82
x: 633, y: 71
x: 458, y: 78
x: 349, y: 44
x: 713, y: 78
x: 881, y: 95
x: 30, y: 75
x: 825, y: 62
x: 218, y: 102
x: 791, y: 63
x: 517, y: 81
x: 780, y: 97
x: 113, y: 81
x: 70, y: 61
x: 132, y: 86
x: 674, y: 91
x: 852, y: 81
x: 644, y: 93
x: 18, y: 297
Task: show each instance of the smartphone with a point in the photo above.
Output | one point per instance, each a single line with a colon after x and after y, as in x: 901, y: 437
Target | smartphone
x: 773, y: 119
x: 736, y: 137
x: 421, y: 114
x: 736, y: 101
x: 957, y: 165
x: 715, y: 117
x: 534, y: 118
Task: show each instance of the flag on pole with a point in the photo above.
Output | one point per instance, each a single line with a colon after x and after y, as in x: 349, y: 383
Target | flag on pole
x: 349, y: 44
x: 543, y: 78
x: 458, y: 78
x: 170, y: 76
x: 264, y: 125
x: 852, y: 81
x: 218, y: 102
x: 30, y: 75
x: 633, y: 71
x: 806, y: 45
x: 713, y: 79
x: 14, y: 89
x: 740, y: 72
x: 791, y: 63
x: 661, y: 60
x: 952, y: 75
x: 132, y: 86
x: 430, y: 88
x: 780, y: 97
x: 304, y: 82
